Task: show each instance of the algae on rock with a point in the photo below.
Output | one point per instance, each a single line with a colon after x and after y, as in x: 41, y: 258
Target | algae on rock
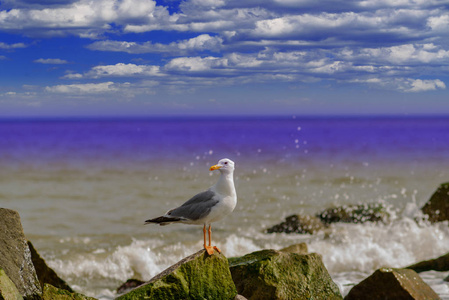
x: 8, y: 290
x: 271, y: 274
x: 199, y: 276
x: 54, y: 293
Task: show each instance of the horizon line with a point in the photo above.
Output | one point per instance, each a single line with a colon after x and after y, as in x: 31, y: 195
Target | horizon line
x: 219, y: 116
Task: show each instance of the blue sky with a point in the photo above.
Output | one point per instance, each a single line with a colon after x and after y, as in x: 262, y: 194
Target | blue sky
x: 209, y: 57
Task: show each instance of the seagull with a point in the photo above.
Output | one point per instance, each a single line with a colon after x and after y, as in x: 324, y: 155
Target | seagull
x: 206, y: 207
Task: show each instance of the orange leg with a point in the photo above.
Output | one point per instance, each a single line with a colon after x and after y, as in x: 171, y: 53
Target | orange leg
x: 209, y: 248
x: 210, y: 239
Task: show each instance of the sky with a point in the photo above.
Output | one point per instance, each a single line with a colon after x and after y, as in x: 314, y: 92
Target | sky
x: 223, y: 57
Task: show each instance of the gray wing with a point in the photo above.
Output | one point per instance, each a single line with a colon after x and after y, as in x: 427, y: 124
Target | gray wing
x: 196, y: 208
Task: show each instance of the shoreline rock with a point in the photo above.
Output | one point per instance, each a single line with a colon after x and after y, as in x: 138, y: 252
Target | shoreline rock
x: 271, y: 274
x: 44, y: 273
x: 198, y: 276
x: 437, y: 208
x: 8, y: 289
x: 388, y: 283
x: 53, y: 293
x: 362, y: 213
x: 438, y: 264
x: 298, y: 224
x: 15, y: 256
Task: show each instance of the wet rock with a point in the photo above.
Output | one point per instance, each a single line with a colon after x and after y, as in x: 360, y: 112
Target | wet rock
x: 199, y: 276
x: 8, y: 289
x: 15, y: 255
x: 271, y: 274
x: 53, y: 293
x: 372, y: 212
x: 298, y: 224
x: 45, y: 274
x: 437, y: 208
x: 300, y: 248
x: 395, y: 284
x: 129, y: 285
x: 438, y: 264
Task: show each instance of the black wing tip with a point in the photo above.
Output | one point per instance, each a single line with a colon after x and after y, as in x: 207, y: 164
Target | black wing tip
x: 162, y: 220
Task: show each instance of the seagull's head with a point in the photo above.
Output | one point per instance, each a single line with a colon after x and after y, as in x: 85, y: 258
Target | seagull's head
x: 225, y: 165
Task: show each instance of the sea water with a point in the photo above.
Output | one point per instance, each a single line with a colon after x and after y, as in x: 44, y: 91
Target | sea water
x: 84, y: 188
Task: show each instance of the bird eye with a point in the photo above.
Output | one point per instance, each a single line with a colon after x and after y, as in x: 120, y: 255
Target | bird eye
x: 226, y: 162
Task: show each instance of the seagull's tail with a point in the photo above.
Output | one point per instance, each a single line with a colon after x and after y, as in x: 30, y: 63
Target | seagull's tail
x: 163, y: 220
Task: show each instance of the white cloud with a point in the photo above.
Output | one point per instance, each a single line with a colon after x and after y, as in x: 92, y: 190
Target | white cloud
x: 420, y: 54
x: 51, y: 61
x: 196, y: 64
x: 439, y: 23
x: 202, y: 42
x: 123, y: 70
x: 408, y: 85
x: 83, y: 17
x: 418, y: 85
x: 11, y: 46
x: 86, y: 88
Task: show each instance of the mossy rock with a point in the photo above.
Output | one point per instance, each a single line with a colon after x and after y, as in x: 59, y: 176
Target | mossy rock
x: 54, y: 293
x: 398, y: 284
x: 298, y: 224
x: 371, y: 212
x: 437, y: 208
x: 199, y: 276
x: 8, y: 290
x: 300, y: 248
x: 271, y: 274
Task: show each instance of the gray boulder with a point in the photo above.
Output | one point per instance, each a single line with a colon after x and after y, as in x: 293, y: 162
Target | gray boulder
x: 397, y: 284
x: 45, y: 274
x: 15, y: 256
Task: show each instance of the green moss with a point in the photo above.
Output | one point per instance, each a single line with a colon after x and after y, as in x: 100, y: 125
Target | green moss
x: 199, y: 276
x: 270, y: 274
x: 8, y: 290
x: 53, y: 293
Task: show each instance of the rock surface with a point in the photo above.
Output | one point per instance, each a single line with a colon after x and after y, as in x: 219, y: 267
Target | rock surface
x: 198, y: 276
x: 438, y: 264
x: 300, y: 248
x: 271, y: 274
x: 8, y: 290
x: 15, y: 256
x: 129, y: 285
x: 45, y: 274
x: 372, y: 212
x: 53, y: 293
x: 298, y: 224
x: 398, y: 284
x: 437, y: 208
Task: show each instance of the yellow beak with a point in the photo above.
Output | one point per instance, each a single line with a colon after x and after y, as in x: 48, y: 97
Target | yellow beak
x: 215, y: 167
